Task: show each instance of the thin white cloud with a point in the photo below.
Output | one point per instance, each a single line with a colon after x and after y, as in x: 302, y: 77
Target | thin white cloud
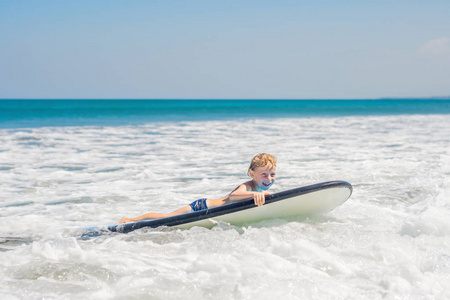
x: 436, y: 47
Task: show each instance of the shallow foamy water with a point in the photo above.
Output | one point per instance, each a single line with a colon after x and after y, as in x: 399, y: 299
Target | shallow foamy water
x: 389, y: 240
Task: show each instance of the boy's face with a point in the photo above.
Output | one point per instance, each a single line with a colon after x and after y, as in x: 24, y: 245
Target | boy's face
x: 264, y: 177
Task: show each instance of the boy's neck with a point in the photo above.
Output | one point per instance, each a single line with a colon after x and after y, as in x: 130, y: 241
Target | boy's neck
x: 256, y: 187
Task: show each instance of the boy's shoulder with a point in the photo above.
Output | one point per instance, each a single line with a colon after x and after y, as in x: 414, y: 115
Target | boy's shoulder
x: 249, y: 185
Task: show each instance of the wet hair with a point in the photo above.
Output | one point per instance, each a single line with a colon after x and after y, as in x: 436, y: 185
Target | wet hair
x: 263, y: 160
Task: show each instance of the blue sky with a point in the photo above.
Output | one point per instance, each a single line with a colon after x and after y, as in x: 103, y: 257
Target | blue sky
x: 224, y: 49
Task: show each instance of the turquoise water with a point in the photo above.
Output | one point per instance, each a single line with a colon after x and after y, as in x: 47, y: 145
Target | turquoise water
x: 40, y: 113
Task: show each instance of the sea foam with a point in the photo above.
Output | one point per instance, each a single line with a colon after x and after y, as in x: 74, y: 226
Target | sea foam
x: 389, y: 240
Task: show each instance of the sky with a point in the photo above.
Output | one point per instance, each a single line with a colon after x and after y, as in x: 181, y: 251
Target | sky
x: 170, y: 49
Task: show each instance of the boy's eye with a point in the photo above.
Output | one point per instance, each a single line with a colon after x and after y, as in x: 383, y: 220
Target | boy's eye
x: 266, y: 174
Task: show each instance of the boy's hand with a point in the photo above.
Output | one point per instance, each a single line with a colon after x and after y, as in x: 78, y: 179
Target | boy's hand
x: 259, y: 198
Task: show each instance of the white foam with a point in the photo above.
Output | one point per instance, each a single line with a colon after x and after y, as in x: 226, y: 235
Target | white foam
x: 390, y: 239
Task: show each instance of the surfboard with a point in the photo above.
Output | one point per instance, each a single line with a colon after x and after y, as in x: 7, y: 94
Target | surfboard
x: 303, y: 201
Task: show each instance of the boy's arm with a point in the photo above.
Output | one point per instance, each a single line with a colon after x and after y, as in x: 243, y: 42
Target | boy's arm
x: 243, y: 192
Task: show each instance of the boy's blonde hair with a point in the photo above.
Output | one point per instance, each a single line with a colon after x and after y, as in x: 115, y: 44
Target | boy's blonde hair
x: 263, y: 160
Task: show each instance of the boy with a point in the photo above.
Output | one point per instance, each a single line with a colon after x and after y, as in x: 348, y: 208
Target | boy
x: 262, y: 170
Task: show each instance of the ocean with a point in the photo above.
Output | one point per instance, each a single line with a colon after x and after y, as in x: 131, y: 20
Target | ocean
x: 55, y: 113
x: 66, y: 165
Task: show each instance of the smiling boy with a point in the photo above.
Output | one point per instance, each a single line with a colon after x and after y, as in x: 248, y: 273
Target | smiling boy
x: 262, y: 170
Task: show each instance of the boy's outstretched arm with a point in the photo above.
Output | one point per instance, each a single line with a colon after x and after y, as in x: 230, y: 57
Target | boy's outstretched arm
x: 242, y: 193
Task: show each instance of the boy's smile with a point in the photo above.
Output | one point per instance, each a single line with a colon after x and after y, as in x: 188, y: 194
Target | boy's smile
x: 267, y: 184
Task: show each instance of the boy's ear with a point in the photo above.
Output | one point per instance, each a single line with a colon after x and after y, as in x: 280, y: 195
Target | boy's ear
x: 251, y: 173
